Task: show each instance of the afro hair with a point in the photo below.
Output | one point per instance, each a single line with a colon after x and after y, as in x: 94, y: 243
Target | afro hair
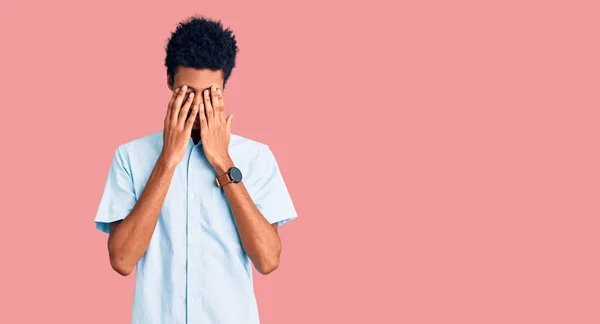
x: 201, y: 43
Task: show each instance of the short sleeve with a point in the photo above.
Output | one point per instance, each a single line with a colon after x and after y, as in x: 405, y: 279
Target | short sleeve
x: 118, y: 197
x: 270, y: 193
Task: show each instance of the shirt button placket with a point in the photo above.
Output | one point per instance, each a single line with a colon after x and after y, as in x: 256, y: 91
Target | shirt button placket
x: 193, y: 276
x: 189, y: 252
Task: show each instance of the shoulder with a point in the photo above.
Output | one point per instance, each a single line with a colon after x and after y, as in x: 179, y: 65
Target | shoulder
x: 146, y: 143
x: 247, y: 146
x: 252, y: 156
x: 138, y: 151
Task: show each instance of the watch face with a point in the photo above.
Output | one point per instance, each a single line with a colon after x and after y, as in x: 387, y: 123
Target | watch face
x: 235, y: 174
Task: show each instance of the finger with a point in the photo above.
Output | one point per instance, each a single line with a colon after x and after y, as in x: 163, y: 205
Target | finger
x: 202, y: 114
x: 215, y: 103
x: 221, y: 101
x: 197, y: 100
x: 228, y: 122
x: 190, y: 121
x: 177, y: 105
x: 183, y: 114
x: 208, y: 108
x: 196, y: 104
x: 170, y: 106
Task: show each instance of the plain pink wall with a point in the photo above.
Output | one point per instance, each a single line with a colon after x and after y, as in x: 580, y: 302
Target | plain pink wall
x: 443, y: 156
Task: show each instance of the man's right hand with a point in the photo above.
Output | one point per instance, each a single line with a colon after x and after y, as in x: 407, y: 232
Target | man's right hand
x: 178, y: 127
x: 129, y: 239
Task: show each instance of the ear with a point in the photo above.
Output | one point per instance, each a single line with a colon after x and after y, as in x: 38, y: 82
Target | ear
x: 169, y: 82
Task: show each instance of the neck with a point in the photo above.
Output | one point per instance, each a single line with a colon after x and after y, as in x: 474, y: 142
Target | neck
x: 195, y: 135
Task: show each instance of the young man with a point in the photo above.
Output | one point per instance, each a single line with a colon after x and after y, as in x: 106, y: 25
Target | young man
x: 193, y: 207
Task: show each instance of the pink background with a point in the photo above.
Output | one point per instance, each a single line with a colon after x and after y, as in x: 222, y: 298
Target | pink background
x: 443, y: 156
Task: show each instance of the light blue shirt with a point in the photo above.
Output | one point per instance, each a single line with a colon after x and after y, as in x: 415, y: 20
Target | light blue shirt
x: 195, y: 269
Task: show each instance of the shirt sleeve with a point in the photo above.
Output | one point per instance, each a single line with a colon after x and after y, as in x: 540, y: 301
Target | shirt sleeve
x: 118, y: 197
x: 271, y: 195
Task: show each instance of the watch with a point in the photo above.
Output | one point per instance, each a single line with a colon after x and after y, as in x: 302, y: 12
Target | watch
x: 232, y: 175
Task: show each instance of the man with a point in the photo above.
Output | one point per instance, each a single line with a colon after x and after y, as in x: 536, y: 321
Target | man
x: 193, y: 207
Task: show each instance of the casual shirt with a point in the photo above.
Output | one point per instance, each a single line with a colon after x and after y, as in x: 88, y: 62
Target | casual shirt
x: 195, y: 269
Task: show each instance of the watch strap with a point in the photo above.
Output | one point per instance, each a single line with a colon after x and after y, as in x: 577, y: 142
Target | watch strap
x: 223, y: 179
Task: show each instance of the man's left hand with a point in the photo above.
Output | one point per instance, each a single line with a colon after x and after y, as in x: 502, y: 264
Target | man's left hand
x: 215, y: 129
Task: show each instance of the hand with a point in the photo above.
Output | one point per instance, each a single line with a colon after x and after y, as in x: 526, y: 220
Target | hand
x: 178, y: 126
x: 215, y: 129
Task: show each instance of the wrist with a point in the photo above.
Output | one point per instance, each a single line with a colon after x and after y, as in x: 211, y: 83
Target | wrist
x: 223, y: 165
x: 166, y: 163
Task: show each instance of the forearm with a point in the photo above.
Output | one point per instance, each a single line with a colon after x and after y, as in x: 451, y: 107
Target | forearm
x: 130, y: 239
x: 259, y: 239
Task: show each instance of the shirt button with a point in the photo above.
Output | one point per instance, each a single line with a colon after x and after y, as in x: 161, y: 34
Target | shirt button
x: 192, y: 264
x: 192, y: 299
